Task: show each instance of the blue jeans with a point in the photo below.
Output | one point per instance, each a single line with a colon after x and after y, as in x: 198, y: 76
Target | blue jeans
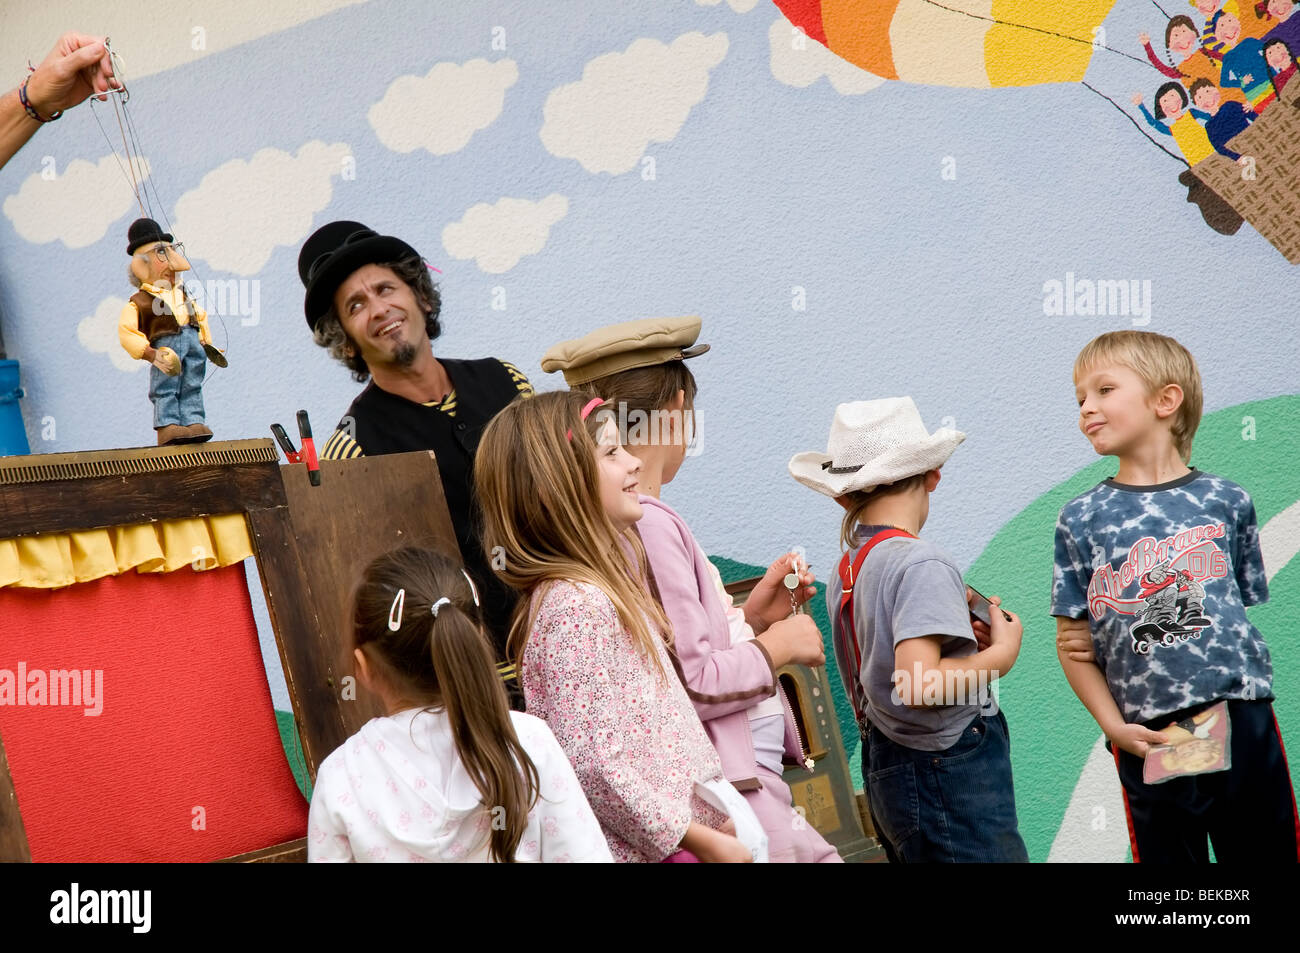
x: 179, y: 400
x: 950, y: 806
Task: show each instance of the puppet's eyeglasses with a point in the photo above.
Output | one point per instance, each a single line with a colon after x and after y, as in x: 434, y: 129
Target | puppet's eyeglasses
x: 160, y: 251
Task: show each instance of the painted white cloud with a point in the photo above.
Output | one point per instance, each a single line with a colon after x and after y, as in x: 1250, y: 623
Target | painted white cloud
x: 740, y: 6
x: 77, y: 205
x: 497, y: 236
x: 441, y: 110
x: 625, y: 101
x: 799, y: 61
x: 98, y: 335
x: 241, y: 211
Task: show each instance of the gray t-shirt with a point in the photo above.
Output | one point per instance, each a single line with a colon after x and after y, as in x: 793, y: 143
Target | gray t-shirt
x: 908, y: 588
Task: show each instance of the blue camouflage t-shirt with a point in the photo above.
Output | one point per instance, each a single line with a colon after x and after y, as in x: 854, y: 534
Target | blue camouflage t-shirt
x: 1164, y: 574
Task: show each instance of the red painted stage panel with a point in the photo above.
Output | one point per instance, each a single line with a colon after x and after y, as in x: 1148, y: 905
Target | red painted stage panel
x: 184, y: 762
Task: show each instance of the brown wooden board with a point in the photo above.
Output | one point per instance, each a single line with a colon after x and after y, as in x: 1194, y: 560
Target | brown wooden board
x: 290, y: 852
x: 13, y: 835
x: 96, y: 502
x: 320, y: 545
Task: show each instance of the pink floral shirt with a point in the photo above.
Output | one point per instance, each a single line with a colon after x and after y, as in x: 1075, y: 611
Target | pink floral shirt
x: 633, y: 737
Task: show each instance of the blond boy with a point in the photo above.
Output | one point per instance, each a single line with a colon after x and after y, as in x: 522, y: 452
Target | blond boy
x: 1157, y: 565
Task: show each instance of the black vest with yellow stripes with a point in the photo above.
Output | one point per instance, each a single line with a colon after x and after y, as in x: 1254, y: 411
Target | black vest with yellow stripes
x: 385, y: 423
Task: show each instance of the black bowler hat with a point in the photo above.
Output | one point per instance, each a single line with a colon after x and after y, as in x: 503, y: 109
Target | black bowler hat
x: 336, y: 250
x: 142, y: 232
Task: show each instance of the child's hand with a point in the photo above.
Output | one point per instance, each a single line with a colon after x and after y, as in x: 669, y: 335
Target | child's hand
x: 1076, y: 646
x: 795, y: 640
x: 983, y: 638
x: 718, y: 848
x: 1135, y: 739
x: 769, y: 601
x: 1137, y: 99
x: 1144, y: 38
x: 1004, y: 634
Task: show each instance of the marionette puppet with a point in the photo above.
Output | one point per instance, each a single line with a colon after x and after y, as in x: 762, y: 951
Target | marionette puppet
x: 162, y: 325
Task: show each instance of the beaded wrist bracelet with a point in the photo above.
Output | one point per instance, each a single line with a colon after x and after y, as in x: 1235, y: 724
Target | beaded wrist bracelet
x: 31, y: 111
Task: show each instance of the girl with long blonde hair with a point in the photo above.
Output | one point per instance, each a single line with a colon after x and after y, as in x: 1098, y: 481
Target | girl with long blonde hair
x: 559, y: 503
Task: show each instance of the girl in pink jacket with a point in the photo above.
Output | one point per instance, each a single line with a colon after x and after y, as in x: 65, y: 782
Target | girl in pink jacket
x: 558, y: 495
x: 729, y: 671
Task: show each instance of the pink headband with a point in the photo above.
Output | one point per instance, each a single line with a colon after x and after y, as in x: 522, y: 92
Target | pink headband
x: 586, y: 411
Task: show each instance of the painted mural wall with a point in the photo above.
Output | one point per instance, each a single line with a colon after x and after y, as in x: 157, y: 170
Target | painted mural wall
x: 947, y: 202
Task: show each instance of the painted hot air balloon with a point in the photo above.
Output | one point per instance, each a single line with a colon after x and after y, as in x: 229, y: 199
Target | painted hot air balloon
x: 985, y: 44
x: 976, y: 43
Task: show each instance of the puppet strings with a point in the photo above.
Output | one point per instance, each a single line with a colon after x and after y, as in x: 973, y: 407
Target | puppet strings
x: 141, y: 179
x: 117, y: 157
x: 133, y: 161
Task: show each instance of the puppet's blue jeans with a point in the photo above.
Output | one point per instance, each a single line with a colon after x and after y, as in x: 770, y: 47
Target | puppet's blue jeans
x: 179, y: 400
x: 954, y: 806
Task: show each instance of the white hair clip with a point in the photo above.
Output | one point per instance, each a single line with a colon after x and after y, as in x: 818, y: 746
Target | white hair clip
x: 395, y: 613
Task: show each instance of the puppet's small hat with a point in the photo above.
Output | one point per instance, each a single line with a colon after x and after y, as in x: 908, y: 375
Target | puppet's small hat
x: 142, y: 232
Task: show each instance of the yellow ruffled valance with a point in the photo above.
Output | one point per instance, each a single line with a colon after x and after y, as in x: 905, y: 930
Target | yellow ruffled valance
x: 61, y: 559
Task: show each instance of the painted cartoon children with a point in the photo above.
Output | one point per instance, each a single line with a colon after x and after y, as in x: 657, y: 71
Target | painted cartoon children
x: 1281, y: 64
x: 1223, y: 120
x: 1184, y: 43
x: 1285, y: 24
x: 1213, y: 40
x: 1172, y: 119
x: 162, y: 325
x: 1243, y: 62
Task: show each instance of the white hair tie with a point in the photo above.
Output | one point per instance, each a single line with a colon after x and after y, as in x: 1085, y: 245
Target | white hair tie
x: 399, y: 604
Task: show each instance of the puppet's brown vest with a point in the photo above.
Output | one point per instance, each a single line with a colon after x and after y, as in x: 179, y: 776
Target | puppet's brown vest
x: 156, y: 318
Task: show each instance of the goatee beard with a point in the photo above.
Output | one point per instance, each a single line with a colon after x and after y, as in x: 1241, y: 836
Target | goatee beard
x: 405, y: 355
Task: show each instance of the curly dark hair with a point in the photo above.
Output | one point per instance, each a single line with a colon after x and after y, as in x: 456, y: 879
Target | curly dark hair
x: 329, y: 332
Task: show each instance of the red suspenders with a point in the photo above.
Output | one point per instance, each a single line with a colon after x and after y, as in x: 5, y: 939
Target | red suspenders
x: 848, y: 654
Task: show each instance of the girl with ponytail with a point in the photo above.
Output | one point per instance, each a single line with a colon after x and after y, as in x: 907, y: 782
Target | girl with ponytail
x: 450, y: 774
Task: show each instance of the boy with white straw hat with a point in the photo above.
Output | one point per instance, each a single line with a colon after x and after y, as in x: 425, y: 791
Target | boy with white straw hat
x: 936, y: 760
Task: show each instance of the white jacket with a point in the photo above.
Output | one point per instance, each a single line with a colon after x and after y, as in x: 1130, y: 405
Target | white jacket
x: 396, y: 791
